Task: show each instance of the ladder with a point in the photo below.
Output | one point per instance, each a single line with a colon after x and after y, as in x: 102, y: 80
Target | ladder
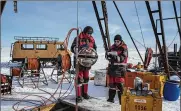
x: 163, y: 51
x: 104, y: 33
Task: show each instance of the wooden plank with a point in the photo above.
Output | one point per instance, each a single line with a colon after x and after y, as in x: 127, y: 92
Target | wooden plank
x: 44, y: 108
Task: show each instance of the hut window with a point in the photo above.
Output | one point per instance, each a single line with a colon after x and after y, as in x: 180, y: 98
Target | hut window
x: 41, y: 47
x: 60, y: 47
x: 27, y: 46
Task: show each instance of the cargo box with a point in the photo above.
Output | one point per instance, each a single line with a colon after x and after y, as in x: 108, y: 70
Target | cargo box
x: 6, y: 84
x: 100, y: 77
x: 156, y: 81
x: 131, y: 102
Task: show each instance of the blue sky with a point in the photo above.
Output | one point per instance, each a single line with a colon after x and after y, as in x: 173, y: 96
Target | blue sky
x: 55, y: 19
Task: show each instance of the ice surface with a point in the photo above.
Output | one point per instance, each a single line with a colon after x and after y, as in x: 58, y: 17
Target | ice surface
x: 99, y: 92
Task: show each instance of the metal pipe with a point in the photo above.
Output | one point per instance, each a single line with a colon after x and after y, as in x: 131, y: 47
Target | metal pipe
x: 163, y: 39
x: 15, y: 7
x: 104, y: 9
x: 100, y: 26
x: 128, y: 31
x: 156, y: 58
x: 3, y: 3
x: 155, y: 30
x: 168, y: 18
x: 179, y: 29
x: 77, y: 62
x: 176, y: 16
x: 175, y: 49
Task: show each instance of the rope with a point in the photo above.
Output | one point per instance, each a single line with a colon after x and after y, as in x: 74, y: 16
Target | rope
x: 77, y: 70
x: 51, y: 95
x: 139, y: 43
x: 173, y: 40
x: 139, y: 24
x: 67, y: 90
x: 128, y: 30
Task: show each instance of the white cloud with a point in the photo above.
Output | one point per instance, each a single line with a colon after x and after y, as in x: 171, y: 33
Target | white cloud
x: 5, y: 54
x: 143, y: 30
x: 56, y: 18
x: 114, y: 29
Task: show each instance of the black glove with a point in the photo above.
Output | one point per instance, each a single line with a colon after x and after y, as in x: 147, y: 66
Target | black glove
x: 108, y: 56
x: 121, y: 58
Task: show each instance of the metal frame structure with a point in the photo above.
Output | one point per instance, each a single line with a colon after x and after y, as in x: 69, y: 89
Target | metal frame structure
x: 3, y: 3
x: 59, y: 73
x: 173, y: 58
x: 105, y: 34
x: 31, y: 74
x: 128, y: 31
x: 163, y: 51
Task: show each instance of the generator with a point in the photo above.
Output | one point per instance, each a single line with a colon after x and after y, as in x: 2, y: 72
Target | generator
x: 156, y: 81
x: 145, y: 100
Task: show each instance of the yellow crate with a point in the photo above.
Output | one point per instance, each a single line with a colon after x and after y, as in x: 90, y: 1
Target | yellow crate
x: 141, y: 103
x: 156, y: 81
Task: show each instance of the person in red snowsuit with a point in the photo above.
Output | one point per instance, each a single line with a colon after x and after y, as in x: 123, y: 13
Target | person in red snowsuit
x: 85, y: 40
x: 117, y: 56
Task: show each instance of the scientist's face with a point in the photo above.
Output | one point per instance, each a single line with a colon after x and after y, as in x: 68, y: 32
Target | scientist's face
x: 117, y: 42
x: 89, y: 32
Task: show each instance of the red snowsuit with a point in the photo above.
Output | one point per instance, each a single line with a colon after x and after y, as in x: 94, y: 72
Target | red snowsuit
x: 117, y: 70
x: 115, y: 77
x: 83, y: 76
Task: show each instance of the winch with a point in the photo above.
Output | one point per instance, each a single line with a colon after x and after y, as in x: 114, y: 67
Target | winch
x: 140, y: 88
x: 138, y: 82
x: 87, y: 57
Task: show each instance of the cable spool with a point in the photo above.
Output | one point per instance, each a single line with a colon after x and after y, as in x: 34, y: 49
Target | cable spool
x: 33, y: 64
x: 16, y: 71
x: 87, y: 57
x: 15, y: 68
x: 148, y: 57
x: 66, y: 62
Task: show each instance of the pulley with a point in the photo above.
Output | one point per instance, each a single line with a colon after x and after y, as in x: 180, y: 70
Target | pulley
x: 87, y: 57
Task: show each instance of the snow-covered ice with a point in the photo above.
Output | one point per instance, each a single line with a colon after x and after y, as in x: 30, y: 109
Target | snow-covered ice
x: 99, y: 92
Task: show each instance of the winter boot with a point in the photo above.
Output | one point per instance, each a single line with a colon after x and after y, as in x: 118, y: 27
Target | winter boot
x: 120, y: 92
x: 79, y: 99
x: 112, y: 94
x: 119, y: 96
x: 84, y: 91
x: 86, y: 96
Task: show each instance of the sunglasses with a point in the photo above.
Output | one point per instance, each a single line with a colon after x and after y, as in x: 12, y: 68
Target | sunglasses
x: 116, y: 41
x: 89, y: 32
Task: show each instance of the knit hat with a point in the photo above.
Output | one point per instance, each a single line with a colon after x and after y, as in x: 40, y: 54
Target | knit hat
x: 118, y: 37
x: 88, y: 29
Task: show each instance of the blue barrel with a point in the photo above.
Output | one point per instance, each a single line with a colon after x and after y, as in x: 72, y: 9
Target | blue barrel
x: 171, y: 90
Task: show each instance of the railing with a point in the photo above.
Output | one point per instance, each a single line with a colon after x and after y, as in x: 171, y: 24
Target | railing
x: 23, y: 38
x: 11, y: 49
